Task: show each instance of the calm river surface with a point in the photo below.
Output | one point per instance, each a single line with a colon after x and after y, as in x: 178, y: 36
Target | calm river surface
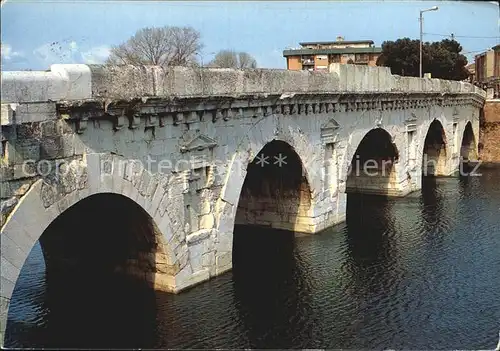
x: 421, y: 272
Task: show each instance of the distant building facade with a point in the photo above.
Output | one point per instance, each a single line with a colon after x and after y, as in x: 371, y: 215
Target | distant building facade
x: 487, y: 73
x: 471, y: 70
x: 317, y: 56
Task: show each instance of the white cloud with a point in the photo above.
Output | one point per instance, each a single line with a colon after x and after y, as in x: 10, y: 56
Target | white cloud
x: 7, y: 53
x: 96, y: 55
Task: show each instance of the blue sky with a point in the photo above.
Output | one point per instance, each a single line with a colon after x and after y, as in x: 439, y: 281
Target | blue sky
x: 83, y: 31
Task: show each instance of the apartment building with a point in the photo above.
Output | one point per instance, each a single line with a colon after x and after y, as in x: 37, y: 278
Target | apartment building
x: 488, y: 69
x: 316, y: 56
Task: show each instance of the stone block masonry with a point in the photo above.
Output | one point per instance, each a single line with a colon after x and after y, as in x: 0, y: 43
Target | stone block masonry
x: 489, y: 139
x: 179, y: 143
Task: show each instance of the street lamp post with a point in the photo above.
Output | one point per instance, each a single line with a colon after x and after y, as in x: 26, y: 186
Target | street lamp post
x: 201, y: 58
x: 200, y: 55
x: 421, y: 25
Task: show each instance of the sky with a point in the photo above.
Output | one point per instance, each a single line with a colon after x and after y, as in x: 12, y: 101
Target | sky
x: 38, y: 33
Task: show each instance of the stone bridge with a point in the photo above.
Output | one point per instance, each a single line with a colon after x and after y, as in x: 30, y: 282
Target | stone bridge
x: 146, y: 171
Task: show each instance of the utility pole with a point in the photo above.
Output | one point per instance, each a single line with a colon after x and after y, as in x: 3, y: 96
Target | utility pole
x: 420, y: 51
x: 434, y: 8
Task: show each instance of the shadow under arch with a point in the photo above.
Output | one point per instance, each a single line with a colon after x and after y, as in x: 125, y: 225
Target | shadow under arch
x: 468, y: 152
x: 434, y: 155
x: 274, y: 204
x: 272, y: 290
x: 275, y: 192
x: 431, y: 204
x: 118, y: 235
x: 48, y: 198
x: 372, y: 169
x: 370, y: 236
x: 269, y: 129
x: 371, y: 180
x: 95, y: 249
x: 468, y: 148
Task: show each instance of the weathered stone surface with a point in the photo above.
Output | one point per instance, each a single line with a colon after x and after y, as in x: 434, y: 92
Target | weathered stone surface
x: 223, y: 261
x: 49, y: 194
x: 61, y: 82
x: 207, y: 221
x: 55, y: 128
x: 8, y: 133
x: 28, y: 131
x: 6, y: 206
x: 14, y: 188
x: 6, y: 286
x: 4, y: 308
x: 12, y: 252
x: 193, y: 134
x: 9, y: 271
x: 51, y: 147
x: 198, y: 236
x: 26, y: 150
x: 108, y: 80
x: 489, y: 146
x: 7, y: 116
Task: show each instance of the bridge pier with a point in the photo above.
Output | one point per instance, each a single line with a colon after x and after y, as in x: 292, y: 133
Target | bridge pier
x: 381, y: 183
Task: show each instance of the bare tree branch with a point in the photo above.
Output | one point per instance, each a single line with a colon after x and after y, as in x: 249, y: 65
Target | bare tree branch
x: 246, y: 60
x: 225, y: 59
x: 232, y: 59
x: 165, y: 46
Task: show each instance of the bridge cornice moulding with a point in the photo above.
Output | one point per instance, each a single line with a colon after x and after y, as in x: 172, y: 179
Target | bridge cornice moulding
x: 195, y: 109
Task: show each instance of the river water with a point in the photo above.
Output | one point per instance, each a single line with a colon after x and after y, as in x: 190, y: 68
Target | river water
x: 420, y: 272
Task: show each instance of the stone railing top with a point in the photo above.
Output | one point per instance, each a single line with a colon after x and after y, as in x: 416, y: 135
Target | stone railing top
x: 88, y: 82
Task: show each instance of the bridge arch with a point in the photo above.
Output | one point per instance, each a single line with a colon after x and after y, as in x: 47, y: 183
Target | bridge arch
x: 468, y: 143
x: 275, y: 191
x: 370, y: 164
x: 270, y: 129
x: 434, y: 149
x: 114, y: 234
x: 49, y: 199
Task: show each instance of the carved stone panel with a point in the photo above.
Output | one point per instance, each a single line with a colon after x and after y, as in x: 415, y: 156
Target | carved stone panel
x: 199, y: 143
x: 329, y: 131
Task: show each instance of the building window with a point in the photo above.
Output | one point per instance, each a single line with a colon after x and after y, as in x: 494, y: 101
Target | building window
x: 335, y: 58
x: 362, y: 57
x: 307, y: 60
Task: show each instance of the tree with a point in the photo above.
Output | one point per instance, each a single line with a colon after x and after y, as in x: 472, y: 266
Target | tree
x: 233, y: 59
x: 246, y: 60
x: 441, y: 59
x: 164, y: 46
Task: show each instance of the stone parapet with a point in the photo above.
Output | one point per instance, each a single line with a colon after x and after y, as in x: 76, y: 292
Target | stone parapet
x: 363, y: 78
x: 127, y: 82
x: 61, y: 82
x: 83, y: 82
